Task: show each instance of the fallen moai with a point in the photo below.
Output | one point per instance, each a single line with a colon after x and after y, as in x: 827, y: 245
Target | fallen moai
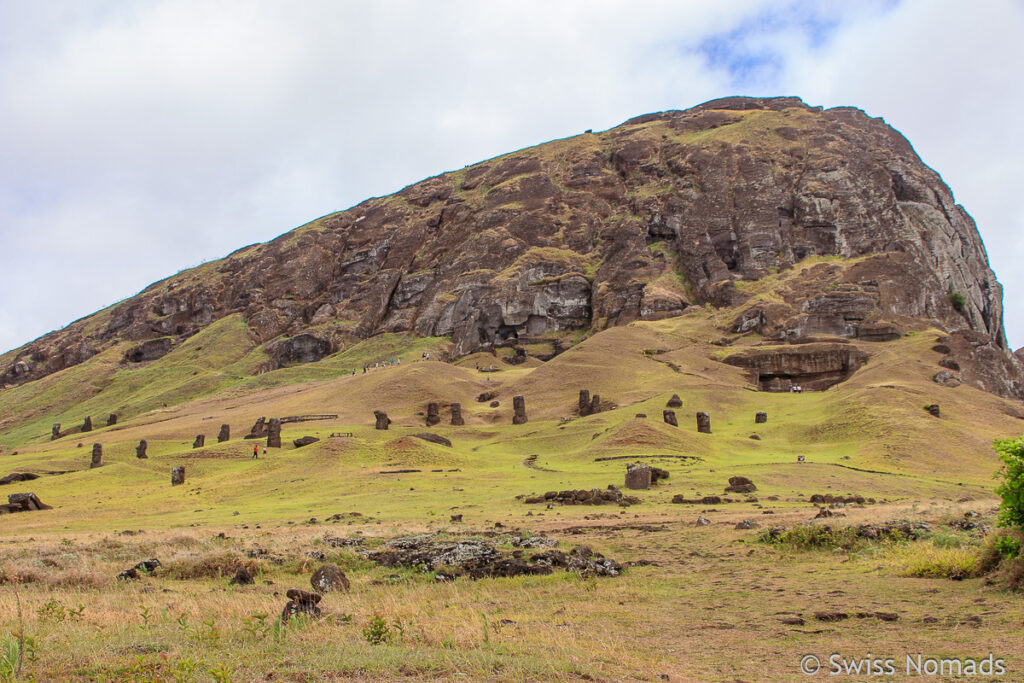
x: 300, y: 602
x: 18, y: 476
x: 610, y: 496
x: 434, y: 438
x: 23, y: 502
x: 304, y: 441
x: 740, y: 485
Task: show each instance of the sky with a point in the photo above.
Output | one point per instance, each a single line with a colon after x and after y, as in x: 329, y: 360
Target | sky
x: 138, y: 139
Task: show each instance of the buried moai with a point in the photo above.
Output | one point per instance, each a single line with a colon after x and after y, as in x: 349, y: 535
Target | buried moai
x: 589, y: 405
x: 274, y: 433
x: 933, y: 410
x: 224, y: 434
x: 457, y: 420
x: 519, y: 410
x: 55, y: 431
x: 670, y: 417
x: 382, y: 419
x: 87, y: 425
x: 675, y: 402
x: 140, y: 450
x: 433, y: 414
x: 760, y: 418
x: 178, y: 475
x: 638, y: 476
x: 111, y: 419
x: 97, y: 456
x: 703, y: 423
x: 199, y: 442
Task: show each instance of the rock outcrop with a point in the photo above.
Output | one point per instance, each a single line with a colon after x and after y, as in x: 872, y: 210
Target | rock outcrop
x: 813, y: 367
x: 591, y: 232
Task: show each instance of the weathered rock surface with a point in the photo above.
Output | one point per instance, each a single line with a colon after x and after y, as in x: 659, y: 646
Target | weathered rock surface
x: 537, y: 242
x: 144, y: 568
x: 301, y: 603
x: 329, y: 578
x: 18, y: 476
x: 813, y: 367
x: 304, y: 441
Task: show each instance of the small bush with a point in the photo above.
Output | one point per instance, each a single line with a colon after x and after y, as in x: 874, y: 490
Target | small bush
x: 377, y: 631
x: 958, y: 301
x: 1011, y: 489
x: 213, y: 565
x: 813, y: 536
x: 927, y: 560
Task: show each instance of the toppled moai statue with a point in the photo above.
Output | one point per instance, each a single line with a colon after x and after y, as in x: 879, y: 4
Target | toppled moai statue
x: 111, y: 419
x: 675, y: 402
x: 224, y: 434
x: 300, y: 602
x: 23, y: 502
x: 433, y: 414
x: 740, y: 485
x: 670, y: 417
x: 304, y: 441
x: 519, y: 410
x: 457, y: 420
x: 933, y: 410
x: 178, y: 475
x: 87, y: 425
x: 259, y: 429
x: 199, y: 442
x: 638, y: 476
x: 760, y: 418
x: 274, y: 433
x: 140, y: 450
x: 703, y: 423
x: 55, y: 431
x: 382, y: 419
x: 97, y: 456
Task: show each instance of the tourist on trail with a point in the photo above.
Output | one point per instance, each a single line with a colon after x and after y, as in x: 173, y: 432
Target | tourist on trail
x: 264, y: 451
x: 255, y: 451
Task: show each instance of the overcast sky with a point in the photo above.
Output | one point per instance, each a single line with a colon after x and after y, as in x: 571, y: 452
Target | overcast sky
x: 141, y: 138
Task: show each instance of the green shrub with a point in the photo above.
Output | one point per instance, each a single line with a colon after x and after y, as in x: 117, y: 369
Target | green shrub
x: 377, y: 631
x: 957, y: 299
x: 813, y: 536
x: 927, y: 560
x: 1011, y: 489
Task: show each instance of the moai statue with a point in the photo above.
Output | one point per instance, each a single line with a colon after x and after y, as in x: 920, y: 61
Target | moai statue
x: 433, y: 414
x: 97, y: 455
x: 760, y: 418
x: 934, y: 410
x: 55, y: 431
x: 178, y: 475
x: 111, y: 419
x: 638, y: 477
x: 224, y: 434
x: 140, y: 450
x: 703, y: 423
x: 259, y: 430
x: 670, y: 417
x: 199, y: 442
x: 584, y: 402
x: 675, y: 402
x: 382, y: 419
x: 519, y: 410
x: 457, y: 420
x: 87, y: 425
x: 274, y: 433
x: 595, y: 405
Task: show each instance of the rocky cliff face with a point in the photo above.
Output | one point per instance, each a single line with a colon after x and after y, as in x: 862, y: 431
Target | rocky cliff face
x: 638, y: 222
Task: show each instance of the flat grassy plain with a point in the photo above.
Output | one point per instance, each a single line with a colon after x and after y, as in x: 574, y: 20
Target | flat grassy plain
x: 695, y: 603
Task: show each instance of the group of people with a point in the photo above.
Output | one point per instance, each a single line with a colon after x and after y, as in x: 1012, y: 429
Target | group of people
x: 380, y: 364
x: 796, y: 389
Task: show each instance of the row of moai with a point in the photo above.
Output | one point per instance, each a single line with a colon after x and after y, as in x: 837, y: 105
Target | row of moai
x: 177, y: 472
x: 703, y: 418
x: 55, y: 432
x: 382, y: 421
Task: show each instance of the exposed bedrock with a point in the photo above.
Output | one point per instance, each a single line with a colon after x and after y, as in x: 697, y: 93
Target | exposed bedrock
x: 812, y: 367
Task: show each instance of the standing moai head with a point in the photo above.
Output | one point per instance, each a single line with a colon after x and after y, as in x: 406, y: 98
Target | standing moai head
x: 934, y: 410
x: 140, y: 450
x: 638, y: 476
x: 199, y: 442
x: 760, y: 418
x: 595, y: 405
x: 111, y: 419
x: 55, y: 431
x: 433, y: 414
x: 178, y: 475
x: 457, y: 420
x: 274, y: 433
x: 224, y: 434
x: 259, y: 429
x: 382, y: 419
x: 87, y: 425
x: 670, y: 417
x: 703, y: 423
x: 675, y: 402
x: 584, y: 402
x: 97, y: 456
x: 519, y: 410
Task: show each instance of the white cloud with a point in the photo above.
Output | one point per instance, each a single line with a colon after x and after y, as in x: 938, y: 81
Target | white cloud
x: 141, y: 138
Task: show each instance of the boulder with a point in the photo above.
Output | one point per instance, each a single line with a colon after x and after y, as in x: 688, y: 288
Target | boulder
x: 740, y: 485
x: 300, y: 602
x: 304, y: 441
x: 329, y: 578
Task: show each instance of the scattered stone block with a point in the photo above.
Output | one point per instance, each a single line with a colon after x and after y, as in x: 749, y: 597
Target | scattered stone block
x: 274, y: 433
x: 675, y: 402
x: 243, y: 577
x: 178, y: 475
x: 640, y: 416
x: 519, y: 410
x: 224, y: 434
x: 702, y: 521
x: 382, y: 419
x: 433, y: 414
x: 199, y: 442
x: 638, y: 476
x: 457, y: 420
x: 703, y: 423
x: 140, y: 450
x: 760, y: 418
x: 97, y: 456
x: 329, y: 578
x: 670, y: 417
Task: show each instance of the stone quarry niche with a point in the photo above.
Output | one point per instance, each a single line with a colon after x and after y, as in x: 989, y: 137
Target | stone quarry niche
x: 813, y: 367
